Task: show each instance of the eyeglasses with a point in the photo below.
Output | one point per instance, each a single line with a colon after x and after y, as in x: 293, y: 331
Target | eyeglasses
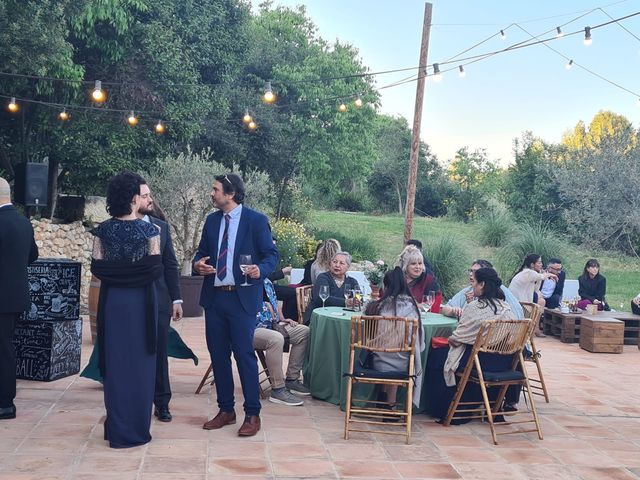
x: 229, y: 181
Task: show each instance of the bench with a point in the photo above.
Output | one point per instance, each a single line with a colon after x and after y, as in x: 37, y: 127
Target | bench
x: 566, y: 326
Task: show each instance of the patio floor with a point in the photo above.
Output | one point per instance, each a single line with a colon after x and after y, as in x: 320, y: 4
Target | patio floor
x: 591, y: 429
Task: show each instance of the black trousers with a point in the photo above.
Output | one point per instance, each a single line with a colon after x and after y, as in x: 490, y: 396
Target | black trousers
x: 289, y: 304
x: 7, y: 359
x: 162, y: 394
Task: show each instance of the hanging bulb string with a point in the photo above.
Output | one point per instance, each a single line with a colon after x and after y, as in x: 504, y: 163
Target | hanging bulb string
x: 620, y: 25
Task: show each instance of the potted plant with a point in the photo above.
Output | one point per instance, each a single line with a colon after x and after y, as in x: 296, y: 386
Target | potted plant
x: 375, y: 273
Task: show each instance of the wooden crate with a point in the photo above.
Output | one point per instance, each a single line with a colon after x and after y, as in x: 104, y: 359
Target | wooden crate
x: 631, y: 326
x: 600, y: 334
x: 566, y: 326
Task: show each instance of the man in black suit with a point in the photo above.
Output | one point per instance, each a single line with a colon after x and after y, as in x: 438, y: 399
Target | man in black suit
x: 18, y: 249
x: 551, y: 289
x: 169, y: 304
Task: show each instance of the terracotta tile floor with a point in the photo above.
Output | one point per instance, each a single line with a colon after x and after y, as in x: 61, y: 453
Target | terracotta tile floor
x: 591, y: 428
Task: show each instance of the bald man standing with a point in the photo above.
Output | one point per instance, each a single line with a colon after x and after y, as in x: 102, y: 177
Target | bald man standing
x: 18, y: 249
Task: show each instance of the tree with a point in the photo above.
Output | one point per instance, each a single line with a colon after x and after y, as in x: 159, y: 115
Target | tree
x: 606, y: 131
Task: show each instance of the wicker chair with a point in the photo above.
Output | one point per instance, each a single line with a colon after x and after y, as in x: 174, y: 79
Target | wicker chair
x: 502, y: 337
x: 303, y: 298
x: 538, y: 386
x: 380, y: 334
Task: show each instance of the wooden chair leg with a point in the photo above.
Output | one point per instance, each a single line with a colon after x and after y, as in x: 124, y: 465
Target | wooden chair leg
x: 205, y: 378
x: 347, y: 413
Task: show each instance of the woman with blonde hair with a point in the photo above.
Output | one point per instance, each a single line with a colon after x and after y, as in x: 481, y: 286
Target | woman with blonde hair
x: 327, y: 251
x: 420, y: 279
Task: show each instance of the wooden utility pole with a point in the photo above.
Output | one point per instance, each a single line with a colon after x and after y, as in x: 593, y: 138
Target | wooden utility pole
x: 417, y: 121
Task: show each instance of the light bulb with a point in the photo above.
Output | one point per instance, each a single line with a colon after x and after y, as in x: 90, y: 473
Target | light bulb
x: 587, y: 36
x: 342, y: 107
x: 98, y: 94
x: 246, y: 118
x: 159, y: 127
x: 252, y: 125
x: 503, y: 35
x: 437, y: 76
x: 268, y: 96
x: 63, y: 115
x: 569, y: 65
x: 462, y: 73
x: 13, y: 106
x: 132, y: 119
x: 559, y: 32
x: 358, y: 102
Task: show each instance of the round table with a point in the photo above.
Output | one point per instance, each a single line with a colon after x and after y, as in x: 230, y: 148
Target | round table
x: 329, y: 346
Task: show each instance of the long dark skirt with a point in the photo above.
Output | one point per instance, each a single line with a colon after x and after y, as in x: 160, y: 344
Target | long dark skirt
x: 440, y: 396
x: 129, y: 379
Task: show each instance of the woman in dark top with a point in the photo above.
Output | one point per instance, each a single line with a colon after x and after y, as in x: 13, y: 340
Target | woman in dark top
x: 337, y: 281
x: 592, y: 286
x: 126, y: 258
x: 420, y: 279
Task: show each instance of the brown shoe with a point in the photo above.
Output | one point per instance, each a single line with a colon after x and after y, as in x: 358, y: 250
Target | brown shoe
x: 250, y: 427
x: 220, y: 420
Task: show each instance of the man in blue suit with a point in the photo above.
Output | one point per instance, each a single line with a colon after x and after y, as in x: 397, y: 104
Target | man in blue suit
x: 230, y: 307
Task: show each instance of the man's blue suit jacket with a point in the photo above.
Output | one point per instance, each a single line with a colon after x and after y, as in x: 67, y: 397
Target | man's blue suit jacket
x: 253, y: 238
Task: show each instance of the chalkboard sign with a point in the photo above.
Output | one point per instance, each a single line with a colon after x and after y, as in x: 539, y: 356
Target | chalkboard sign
x: 47, y: 351
x: 54, y: 287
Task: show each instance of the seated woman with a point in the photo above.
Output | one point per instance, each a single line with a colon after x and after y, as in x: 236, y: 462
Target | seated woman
x: 324, y: 256
x: 419, y: 279
x: 635, y: 305
x: 444, y: 362
x: 397, y: 302
x: 525, y: 283
x: 337, y: 282
x: 592, y: 286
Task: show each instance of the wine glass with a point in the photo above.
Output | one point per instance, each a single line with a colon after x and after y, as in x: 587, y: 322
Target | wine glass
x: 324, y: 293
x: 245, y: 263
x: 347, y: 295
x: 357, y: 298
x: 428, y: 299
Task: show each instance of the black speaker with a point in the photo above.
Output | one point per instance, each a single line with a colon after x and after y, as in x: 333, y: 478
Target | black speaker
x: 36, y: 180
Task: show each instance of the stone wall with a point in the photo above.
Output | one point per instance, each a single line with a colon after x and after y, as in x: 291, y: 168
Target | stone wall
x: 72, y: 241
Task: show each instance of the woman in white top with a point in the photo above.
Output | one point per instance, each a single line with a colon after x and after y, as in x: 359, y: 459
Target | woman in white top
x: 525, y: 284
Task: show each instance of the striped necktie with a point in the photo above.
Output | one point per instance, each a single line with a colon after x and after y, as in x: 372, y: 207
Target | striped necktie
x: 221, y: 264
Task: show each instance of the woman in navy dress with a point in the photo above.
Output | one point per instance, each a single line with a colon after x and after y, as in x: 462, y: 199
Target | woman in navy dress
x: 126, y: 258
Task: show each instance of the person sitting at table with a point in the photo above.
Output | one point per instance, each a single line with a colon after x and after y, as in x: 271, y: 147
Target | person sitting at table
x: 592, y: 286
x: 306, y: 278
x: 267, y: 338
x: 454, y: 307
x: 525, y: 283
x: 420, y: 279
x: 397, y: 302
x: 551, y: 289
x: 324, y: 257
x: 444, y: 362
x: 337, y: 282
x: 635, y: 305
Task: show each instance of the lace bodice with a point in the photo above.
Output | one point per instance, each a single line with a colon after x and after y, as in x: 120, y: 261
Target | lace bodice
x: 125, y: 240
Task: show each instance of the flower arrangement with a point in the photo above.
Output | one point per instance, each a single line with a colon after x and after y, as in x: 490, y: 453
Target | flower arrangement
x: 375, y: 272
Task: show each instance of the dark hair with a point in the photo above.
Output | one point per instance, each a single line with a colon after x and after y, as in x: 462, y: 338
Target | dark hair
x: 394, y: 284
x: 554, y: 260
x: 483, y: 263
x: 157, y: 212
x: 592, y: 262
x: 120, y: 192
x: 491, y: 290
x: 528, y: 260
x: 415, y: 243
x: 232, y: 183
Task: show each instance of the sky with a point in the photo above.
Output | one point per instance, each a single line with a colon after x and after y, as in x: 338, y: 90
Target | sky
x: 504, y: 96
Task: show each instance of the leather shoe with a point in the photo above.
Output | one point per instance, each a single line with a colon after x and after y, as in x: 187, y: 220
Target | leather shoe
x: 8, y: 413
x: 163, y: 414
x: 250, y: 427
x: 220, y: 420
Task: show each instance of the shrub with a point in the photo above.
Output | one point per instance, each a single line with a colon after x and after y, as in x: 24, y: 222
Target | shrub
x: 530, y: 238
x: 292, y: 241
x: 360, y: 248
x: 494, y: 227
x: 449, y: 261
x: 352, y: 201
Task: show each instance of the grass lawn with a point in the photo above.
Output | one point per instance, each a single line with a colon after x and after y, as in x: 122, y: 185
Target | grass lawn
x: 622, y: 272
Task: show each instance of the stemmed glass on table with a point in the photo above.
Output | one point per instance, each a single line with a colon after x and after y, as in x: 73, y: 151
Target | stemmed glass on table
x: 324, y: 293
x: 357, y: 299
x: 427, y: 300
x: 245, y: 263
x: 347, y: 295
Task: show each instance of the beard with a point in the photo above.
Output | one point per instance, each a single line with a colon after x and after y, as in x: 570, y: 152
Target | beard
x: 146, y: 210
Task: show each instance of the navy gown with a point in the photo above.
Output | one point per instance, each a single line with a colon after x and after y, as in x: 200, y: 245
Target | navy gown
x: 129, y: 379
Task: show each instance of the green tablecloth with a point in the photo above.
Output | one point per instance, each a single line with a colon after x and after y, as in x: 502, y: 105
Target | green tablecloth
x: 329, y: 351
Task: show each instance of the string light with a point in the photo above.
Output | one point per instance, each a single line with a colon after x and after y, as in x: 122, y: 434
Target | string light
x: 462, y: 73
x: 132, y: 119
x: 64, y: 115
x: 569, y: 65
x: 437, y: 76
x: 269, y: 96
x: 13, y: 106
x: 159, y: 127
x: 587, y: 36
x: 358, y: 102
x: 342, y: 107
x: 98, y: 94
x: 252, y: 125
x: 559, y: 32
x: 503, y: 35
x: 246, y: 118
